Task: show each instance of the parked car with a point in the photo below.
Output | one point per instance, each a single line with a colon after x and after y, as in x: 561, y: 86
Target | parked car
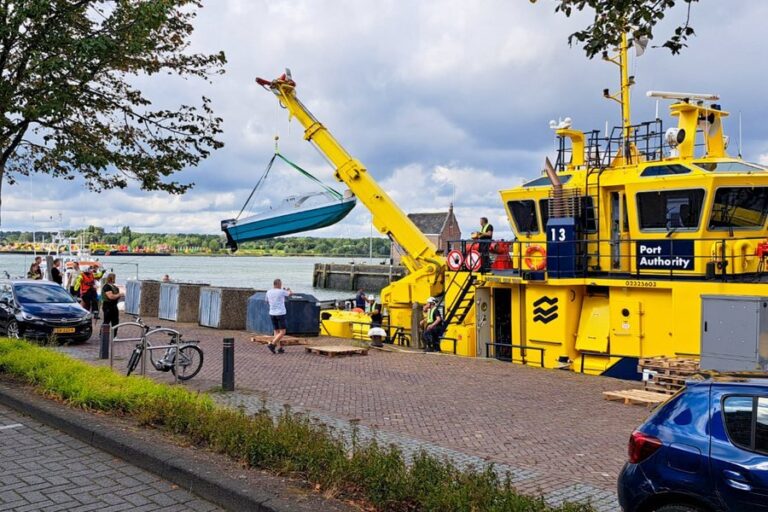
x: 704, y: 450
x: 42, y: 310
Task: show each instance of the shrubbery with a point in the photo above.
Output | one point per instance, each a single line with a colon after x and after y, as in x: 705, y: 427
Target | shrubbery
x: 290, y: 444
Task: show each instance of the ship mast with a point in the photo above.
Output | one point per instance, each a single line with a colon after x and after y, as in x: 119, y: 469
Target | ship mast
x: 623, y: 96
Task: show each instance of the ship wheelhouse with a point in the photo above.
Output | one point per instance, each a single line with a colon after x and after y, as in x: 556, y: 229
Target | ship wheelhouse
x: 650, y: 205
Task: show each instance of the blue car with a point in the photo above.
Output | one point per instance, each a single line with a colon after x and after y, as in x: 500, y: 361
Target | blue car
x: 704, y: 450
x: 42, y: 310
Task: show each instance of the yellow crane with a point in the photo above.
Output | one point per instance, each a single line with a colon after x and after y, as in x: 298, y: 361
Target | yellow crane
x: 425, y: 266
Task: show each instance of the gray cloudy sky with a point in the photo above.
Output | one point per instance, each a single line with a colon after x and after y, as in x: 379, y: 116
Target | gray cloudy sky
x: 430, y: 96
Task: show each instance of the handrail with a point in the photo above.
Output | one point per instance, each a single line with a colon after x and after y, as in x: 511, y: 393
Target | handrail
x: 541, y: 350
x: 724, y: 260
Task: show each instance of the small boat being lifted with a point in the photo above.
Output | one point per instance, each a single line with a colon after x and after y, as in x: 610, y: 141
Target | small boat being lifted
x: 295, y: 214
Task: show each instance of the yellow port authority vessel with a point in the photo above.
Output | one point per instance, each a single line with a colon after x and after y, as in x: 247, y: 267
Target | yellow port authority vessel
x: 641, y: 242
x: 633, y: 244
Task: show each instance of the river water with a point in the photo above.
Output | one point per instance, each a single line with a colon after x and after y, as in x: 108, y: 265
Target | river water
x: 241, y: 271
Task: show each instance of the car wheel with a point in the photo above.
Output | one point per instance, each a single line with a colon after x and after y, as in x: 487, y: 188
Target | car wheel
x: 12, y: 330
x: 677, y: 508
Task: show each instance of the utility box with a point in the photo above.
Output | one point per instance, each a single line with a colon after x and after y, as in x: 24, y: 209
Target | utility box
x: 142, y: 297
x: 179, y: 302
x: 734, y: 333
x: 302, y: 315
x: 224, y: 308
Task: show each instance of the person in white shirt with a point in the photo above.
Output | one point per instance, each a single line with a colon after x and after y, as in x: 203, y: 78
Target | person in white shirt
x: 276, y: 299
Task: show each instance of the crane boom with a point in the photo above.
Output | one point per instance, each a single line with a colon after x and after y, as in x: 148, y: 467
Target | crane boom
x: 425, y: 267
x: 388, y: 218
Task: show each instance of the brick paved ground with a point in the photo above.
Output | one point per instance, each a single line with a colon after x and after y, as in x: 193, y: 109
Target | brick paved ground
x: 42, y: 469
x: 551, y: 425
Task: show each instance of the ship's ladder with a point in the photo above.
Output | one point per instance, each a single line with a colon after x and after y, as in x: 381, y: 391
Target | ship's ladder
x: 465, y: 298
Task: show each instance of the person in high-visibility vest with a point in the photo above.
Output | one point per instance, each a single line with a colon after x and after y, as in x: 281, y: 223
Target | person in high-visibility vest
x: 484, y: 237
x: 88, y: 296
x: 433, y: 329
x: 486, y: 230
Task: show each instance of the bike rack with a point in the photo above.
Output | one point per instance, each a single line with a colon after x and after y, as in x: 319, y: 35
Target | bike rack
x: 145, y: 334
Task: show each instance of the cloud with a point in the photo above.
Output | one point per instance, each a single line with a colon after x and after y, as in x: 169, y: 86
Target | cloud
x: 430, y: 96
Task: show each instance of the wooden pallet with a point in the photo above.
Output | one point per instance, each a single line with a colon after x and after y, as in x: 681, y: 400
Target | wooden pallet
x: 669, y: 373
x: 668, y: 365
x: 287, y: 340
x: 636, y: 397
x: 337, y: 350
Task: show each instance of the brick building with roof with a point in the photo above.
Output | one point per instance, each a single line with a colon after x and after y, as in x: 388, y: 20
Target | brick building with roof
x: 439, y: 228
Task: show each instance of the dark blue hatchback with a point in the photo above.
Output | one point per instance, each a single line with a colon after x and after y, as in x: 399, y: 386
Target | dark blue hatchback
x: 42, y: 310
x: 704, y: 450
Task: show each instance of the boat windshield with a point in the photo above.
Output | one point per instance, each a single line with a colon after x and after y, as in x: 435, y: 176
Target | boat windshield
x: 42, y: 294
x: 733, y: 166
x: 739, y: 207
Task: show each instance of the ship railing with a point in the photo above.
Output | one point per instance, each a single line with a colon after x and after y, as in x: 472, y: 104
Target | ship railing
x: 601, y: 149
x: 685, y: 258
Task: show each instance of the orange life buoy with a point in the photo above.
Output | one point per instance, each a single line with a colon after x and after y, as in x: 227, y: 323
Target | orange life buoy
x: 540, y: 252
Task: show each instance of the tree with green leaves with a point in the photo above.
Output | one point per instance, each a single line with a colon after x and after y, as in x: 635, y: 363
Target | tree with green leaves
x: 70, y: 96
x: 612, y: 18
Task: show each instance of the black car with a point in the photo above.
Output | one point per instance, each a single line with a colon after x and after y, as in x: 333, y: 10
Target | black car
x: 42, y: 310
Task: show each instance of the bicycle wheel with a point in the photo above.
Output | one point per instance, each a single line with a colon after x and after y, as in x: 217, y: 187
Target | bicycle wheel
x: 190, y: 362
x: 133, y: 362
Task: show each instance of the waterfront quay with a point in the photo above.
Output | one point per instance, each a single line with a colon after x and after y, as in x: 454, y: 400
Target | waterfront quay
x: 551, y: 430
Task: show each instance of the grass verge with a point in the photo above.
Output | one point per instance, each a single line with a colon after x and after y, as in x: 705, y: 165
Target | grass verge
x: 289, y: 444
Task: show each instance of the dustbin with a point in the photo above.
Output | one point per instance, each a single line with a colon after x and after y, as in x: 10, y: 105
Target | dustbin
x: 302, y: 315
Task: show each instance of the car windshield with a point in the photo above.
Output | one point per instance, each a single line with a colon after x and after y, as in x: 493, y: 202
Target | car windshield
x: 41, y: 294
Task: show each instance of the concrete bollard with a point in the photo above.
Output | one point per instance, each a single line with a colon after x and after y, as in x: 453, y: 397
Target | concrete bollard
x: 228, y: 365
x: 105, y: 338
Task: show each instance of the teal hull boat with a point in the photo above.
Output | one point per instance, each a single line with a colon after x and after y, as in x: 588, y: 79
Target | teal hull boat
x: 296, y: 214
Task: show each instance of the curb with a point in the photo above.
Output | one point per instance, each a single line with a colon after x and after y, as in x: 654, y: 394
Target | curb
x: 169, y: 464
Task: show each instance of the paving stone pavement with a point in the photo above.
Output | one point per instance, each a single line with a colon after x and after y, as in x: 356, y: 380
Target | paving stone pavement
x: 551, y: 428
x: 42, y: 469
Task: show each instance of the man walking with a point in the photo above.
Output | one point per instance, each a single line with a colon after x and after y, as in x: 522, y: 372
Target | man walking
x: 276, y: 299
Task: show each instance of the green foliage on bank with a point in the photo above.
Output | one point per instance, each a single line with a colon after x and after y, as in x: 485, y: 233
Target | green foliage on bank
x: 290, y: 444
x: 97, y: 238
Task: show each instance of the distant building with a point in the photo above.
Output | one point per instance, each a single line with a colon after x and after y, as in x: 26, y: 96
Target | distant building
x: 439, y: 227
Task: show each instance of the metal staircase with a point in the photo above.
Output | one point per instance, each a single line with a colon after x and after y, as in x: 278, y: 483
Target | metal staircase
x: 463, y: 302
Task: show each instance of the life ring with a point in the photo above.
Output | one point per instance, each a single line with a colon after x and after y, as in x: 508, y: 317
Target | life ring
x: 538, y: 251
x: 473, y: 261
x: 455, y: 260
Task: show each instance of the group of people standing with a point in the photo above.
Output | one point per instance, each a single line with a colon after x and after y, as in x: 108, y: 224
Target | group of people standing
x: 82, y: 284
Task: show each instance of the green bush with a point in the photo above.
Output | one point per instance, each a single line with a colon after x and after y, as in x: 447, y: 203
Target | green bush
x: 290, y: 444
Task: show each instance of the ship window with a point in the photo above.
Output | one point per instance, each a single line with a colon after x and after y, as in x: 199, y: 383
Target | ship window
x: 524, y: 215
x: 544, y: 180
x: 670, y: 209
x: 665, y: 170
x: 589, y: 224
x: 739, y: 207
x: 729, y: 167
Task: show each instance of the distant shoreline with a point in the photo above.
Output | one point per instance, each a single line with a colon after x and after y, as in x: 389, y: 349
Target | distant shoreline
x: 218, y: 255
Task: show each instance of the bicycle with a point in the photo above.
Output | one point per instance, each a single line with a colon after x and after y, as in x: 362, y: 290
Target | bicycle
x: 190, y: 359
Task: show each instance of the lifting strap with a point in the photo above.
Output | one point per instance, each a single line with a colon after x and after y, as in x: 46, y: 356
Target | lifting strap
x: 306, y: 174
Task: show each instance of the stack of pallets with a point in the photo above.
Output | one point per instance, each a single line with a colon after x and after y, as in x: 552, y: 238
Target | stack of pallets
x: 667, y: 374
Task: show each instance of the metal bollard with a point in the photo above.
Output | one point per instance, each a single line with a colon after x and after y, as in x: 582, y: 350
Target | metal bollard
x: 228, y: 365
x: 105, y: 333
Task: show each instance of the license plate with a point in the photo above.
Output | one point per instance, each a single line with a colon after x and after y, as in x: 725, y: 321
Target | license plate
x: 63, y: 330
